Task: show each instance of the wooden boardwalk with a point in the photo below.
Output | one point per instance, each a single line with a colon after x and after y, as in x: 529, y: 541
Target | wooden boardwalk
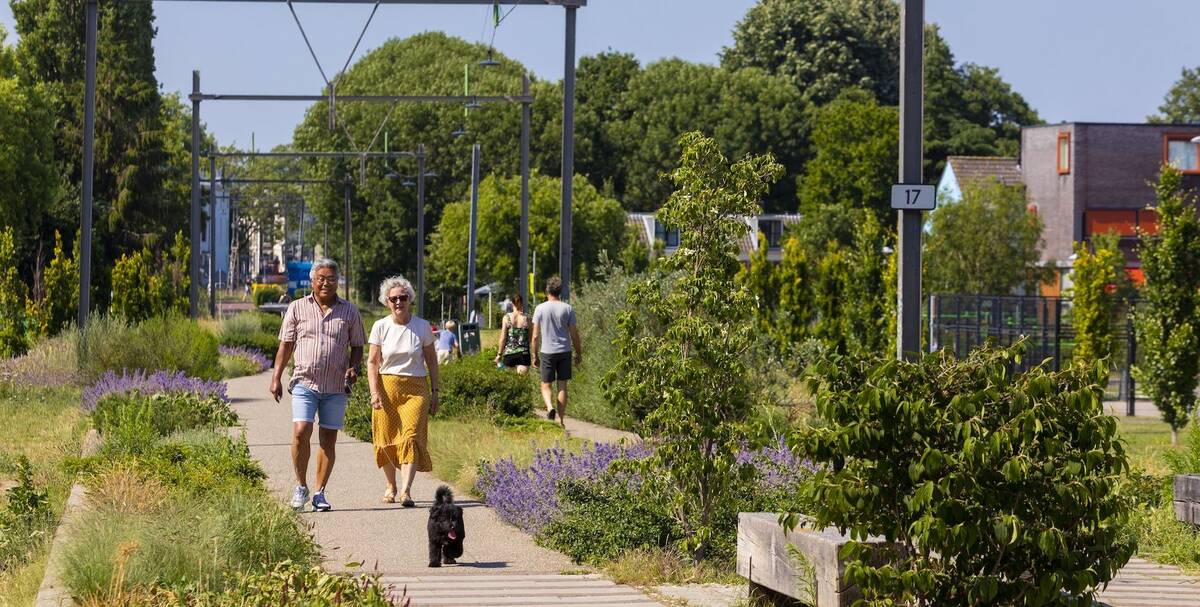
x: 511, y: 590
x: 1144, y: 584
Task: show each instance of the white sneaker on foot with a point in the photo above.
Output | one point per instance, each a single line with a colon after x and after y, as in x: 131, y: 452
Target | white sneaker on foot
x: 299, y: 497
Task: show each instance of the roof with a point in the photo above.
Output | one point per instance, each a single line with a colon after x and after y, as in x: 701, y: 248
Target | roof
x: 1004, y: 169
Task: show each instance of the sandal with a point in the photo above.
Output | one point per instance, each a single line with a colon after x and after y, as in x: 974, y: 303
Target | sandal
x: 406, y: 501
x: 389, y: 496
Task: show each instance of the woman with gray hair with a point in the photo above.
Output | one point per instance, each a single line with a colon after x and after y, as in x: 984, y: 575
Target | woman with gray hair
x: 403, y: 375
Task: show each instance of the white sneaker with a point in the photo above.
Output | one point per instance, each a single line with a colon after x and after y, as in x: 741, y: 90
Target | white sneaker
x: 299, y: 498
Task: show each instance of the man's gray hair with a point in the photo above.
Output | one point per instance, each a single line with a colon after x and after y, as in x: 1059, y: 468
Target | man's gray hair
x: 324, y: 262
x: 395, y: 282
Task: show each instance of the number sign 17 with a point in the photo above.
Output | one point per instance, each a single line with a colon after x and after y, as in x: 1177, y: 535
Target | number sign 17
x: 913, y: 197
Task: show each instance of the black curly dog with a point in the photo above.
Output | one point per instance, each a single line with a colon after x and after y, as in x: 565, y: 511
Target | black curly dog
x: 446, y: 529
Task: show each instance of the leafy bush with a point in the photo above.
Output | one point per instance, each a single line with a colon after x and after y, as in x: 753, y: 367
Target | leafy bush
x: 145, y: 383
x: 603, y: 518
x: 26, y: 520
x: 194, y: 462
x: 290, y: 582
x: 962, y: 462
x: 170, y: 343
x: 13, y: 338
x: 146, y: 284
x: 267, y: 294
x: 598, y: 305
x: 60, y: 292
x: 238, y: 362
x: 184, y: 545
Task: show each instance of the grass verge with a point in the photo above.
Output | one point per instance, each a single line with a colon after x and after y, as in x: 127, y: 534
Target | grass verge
x: 44, y: 425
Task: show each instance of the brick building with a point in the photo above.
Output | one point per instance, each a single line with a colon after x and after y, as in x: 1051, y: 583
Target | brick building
x: 1086, y: 178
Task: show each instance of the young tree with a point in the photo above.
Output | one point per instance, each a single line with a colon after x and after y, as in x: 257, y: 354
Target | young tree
x: 13, y: 340
x: 1100, y: 284
x: 1165, y: 317
x: 60, y: 291
x: 761, y: 279
x: 681, y: 342
x: 986, y: 243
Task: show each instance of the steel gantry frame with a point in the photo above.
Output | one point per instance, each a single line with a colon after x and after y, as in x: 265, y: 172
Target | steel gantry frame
x: 568, y: 139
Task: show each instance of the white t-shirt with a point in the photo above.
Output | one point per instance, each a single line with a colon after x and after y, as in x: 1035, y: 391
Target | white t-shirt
x: 401, y: 345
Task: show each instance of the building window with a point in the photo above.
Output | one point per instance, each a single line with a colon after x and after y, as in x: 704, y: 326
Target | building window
x: 1180, y: 152
x: 1064, y: 153
x: 668, y: 236
x: 773, y: 230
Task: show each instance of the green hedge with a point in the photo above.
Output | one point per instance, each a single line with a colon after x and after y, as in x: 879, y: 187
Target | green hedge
x: 255, y: 330
x: 267, y: 294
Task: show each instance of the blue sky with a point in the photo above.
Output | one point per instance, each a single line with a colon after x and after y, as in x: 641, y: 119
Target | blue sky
x: 1084, y: 60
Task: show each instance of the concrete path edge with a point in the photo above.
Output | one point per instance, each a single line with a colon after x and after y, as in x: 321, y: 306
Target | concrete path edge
x: 53, y: 591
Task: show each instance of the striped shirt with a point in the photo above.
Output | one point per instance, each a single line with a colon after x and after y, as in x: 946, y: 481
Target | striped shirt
x: 321, y: 342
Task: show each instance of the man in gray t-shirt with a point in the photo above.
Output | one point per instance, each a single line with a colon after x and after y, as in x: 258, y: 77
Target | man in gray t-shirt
x: 554, y: 337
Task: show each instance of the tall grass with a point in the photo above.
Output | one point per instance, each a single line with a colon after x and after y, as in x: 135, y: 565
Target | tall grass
x: 456, y: 446
x: 598, y: 305
x: 186, y: 545
x: 170, y: 343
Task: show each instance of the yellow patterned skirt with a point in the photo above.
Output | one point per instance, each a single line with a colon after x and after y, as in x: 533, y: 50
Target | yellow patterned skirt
x: 400, y: 428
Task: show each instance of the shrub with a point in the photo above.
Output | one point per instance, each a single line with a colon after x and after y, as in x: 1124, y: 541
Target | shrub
x: 129, y: 422
x: 146, y: 285
x: 474, y: 386
x: 256, y: 331
x: 293, y: 583
x: 598, y: 304
x: 13, y: 338
x: 603, y: 518
x: 26, y: 520
x: 60, y: 291
x: 237, y: 362
x: 168, y: 343
x: 962, y: 462
x: 195, y: 462
x: 140, y: 382
x: 267, y: 294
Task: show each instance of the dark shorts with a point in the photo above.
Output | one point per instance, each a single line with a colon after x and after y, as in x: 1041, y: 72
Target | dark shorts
x: 518, y: 359
x: 555, y: 366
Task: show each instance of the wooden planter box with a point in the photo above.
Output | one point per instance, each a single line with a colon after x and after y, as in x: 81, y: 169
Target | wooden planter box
x: 1187, y: 498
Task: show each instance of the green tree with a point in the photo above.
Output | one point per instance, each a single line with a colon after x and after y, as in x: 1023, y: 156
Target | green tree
x: 1181, y: 105
x: 1164, y: 319
x: 857, y: 142
x: 1100, y: 286
x: 747, y: 111
x: 794, y: 278
x: 601, y: 84
x: 986, y: 243
x: 131, y: 160
x: 60, y: 291
x: 598, y: 229
x: 13, y: 339
x: 827, y: 47
x: 146, y: 285
x: 681, y: 342
x: 763, y: 282
x: 28, y: 181
x: 822, y: 46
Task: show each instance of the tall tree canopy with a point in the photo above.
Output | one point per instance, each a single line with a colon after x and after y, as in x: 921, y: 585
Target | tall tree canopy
x: 134, y: 201
x: 1182, y: 101
x: 599, y: 226
x: 825, y: 47
x: 857, y: 143
x: 384, y: 211
x: 745, y: 111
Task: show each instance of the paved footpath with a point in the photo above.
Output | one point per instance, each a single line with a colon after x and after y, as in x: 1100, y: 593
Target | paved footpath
x: 502, y: 565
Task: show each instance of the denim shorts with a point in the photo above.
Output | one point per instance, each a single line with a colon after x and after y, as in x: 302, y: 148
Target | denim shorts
x: 308, y: 405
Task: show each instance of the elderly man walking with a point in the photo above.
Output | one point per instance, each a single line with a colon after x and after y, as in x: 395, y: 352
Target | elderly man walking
x: 325, y: 332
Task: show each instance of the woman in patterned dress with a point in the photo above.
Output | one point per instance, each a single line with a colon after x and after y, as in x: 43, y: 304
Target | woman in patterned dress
x: 514, y: 338
x: 403, y: 375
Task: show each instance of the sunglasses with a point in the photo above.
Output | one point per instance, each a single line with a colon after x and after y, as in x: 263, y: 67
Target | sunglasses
x: 398, y: 299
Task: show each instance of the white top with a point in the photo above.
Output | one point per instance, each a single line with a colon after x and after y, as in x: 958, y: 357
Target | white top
x: 401, y: 345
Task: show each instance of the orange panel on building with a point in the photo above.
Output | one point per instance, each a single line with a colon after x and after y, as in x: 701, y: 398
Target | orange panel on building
x: 1123, y: 222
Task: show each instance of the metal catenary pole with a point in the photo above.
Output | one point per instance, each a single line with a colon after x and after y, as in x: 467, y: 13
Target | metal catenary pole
x: 471, y: 235
x: 421, y: 230
x: 212, y: 237
x: 346, y: 235
x: 912, y: 18
x: 568, y: 154
x: 194, y: 250
x: 523, y: 264
x: 89, y: 133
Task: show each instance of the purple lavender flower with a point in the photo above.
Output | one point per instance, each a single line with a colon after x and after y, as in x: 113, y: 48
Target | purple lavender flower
x: 159, y: 382
x: 526, y: 496
x: 254, y: 356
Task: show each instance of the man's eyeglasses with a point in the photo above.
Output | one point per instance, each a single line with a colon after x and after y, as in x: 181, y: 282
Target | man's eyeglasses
x: 398, y: 299
x: 325, y: 280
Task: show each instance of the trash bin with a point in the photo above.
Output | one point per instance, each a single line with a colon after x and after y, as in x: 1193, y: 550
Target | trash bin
x: 468, y: 336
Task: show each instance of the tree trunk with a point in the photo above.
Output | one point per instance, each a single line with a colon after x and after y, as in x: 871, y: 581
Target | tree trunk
x: 1174, y: 437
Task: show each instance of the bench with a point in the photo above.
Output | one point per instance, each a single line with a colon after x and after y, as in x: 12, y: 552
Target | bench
x: 1187, y: 498
x: 811, y: 574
